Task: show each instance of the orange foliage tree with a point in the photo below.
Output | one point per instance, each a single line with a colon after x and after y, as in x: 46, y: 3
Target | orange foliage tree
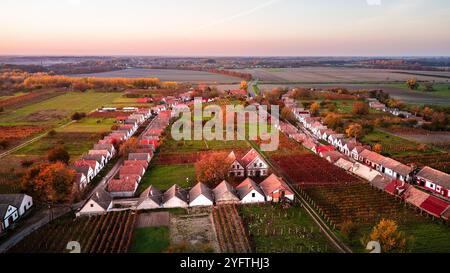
x: 213, y: 168
x: 360, y: 108
x: 50, y: 182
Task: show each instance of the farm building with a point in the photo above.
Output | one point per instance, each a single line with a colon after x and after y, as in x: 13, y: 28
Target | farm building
x: 380, y: 182
x: 104, y: 153
x: 364, y: 172
x: 142, y: 163
x: 396, y: 187
x: 175, y: 197
x: 81, y: 181
x: 344, y: 164
x: 318, y: 149
x: 100, y: 202
x: 251, y: 163
x: 386, y: 165
x: 12, y: 207
x: 99, y: 158
x: 86, y: 170
x: 200, y: 195
x: 434, y: 206
x: 415, y: 196
x: 356, y: 153
x: 224, y: 193
x: 126, y: 186
x: 332, y: 156
x: 250, y: 192
x: 434, y: 181
x: 109, y: 147
x: 92, y: 164
x: 151, y: 198
x: 275, y: 189
x: 140, y: 156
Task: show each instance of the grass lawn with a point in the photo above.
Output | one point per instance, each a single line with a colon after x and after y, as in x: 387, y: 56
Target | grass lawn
x: 394, y: 145
x: 165, y: 176
x: 150, y: 240
x: 440, y: 89
x: 89, y: 125
x: 57, y: 110
x: 75, y: 143
x: 120, y: 102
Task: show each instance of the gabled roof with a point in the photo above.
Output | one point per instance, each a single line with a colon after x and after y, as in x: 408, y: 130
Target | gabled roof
x: 437, y: 177
x: 175, y: 191
x: 224, y: 188
x: 435, y: 205
x: 98, y: 158
x: 138, y: 156
x: 415, y: 196
x: 365, y: 172
x: 82, y: 162
x: 129, y: 170
x: 102, y: 198
x: 108, y: 147
x: 273, y: 183
x: 141, y: 163
x: 344, y: 164
x: 151, y: 193
x: 12, y: 199
x: 82, y: 169
x: 247, y: 186
x: 323, y: 149
x: 250, y: 157
x: 380, y: 182
x: 79, y: 177
x: 126, y: 184
x: 200, y: 189
x: 333, y: 156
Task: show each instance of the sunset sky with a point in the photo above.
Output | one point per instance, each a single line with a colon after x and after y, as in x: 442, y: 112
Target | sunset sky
x: 225, y: 27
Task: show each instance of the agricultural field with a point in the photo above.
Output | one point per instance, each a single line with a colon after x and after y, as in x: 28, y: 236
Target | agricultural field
x: 108, y: 233
x: 365, y: 206
x: 336, y: 75
x: 309, y: 170
x: 230, y: 230
x: 440, y: 90
x: 56, y: 111
x: 274, y: 229
x: 166, y: 75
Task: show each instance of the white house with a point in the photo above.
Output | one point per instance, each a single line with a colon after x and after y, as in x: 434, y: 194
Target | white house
x: 250, y: 192
x: 81, y: 181
x: 100, y: 202
x: 12, y: 207
x: 175, y: 197
x: 151, y: 198
x: 224, y: 193
x: 200, y: 195
x: 109, y: 147
x: 275, y: 189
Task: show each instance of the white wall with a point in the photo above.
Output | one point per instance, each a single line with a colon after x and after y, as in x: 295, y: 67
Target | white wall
x: 201, y: 200
x: 175, y: 203
x: 259, y: 198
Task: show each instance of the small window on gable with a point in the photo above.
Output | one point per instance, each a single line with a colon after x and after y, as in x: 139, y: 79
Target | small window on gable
x: 92, y: 205
x: 253, y: 194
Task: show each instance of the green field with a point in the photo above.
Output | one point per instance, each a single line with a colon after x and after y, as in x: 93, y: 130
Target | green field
x: 150, y: 240
x: 57, y: 110
x: 440, y: 89
x: 89, y: 125
x: 393, y: 145
x: 165, y: 176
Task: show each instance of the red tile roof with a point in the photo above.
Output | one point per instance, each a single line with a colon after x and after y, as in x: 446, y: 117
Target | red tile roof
x: 90, y: 163
x: 130, y: 170
x: 272, y: 184
x: 122, y: 185
x: 435, y: 206
x: 323, y: 149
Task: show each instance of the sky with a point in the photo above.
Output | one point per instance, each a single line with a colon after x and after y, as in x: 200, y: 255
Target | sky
x: 225, y: 27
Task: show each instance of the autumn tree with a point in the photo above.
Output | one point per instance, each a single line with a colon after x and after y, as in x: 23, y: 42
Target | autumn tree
x: 412, y: 84
x: 333, y: 121
x: 354, y: 130
x: 244, y: 85
x: 390, y: 238
x: 301, y: 93
x: 49, y: 182
x: 360, y: 108
x: 213, y: 168
x: 58, y: 154
x: 287, y: 114
x: 377, y: 148
x: 128, y: 146
x: 314, y: 108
